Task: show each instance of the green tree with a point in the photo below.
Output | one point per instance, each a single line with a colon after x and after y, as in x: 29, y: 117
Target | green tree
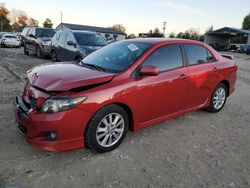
x: 4, y: 21
x: 47, y: 23
x: 119, y: 27
x: 131, y: 36
x: 172, y: 35
x: 246, y: 22
x: 192, y: 34
x: 155, y: 33
x: 180, y: 35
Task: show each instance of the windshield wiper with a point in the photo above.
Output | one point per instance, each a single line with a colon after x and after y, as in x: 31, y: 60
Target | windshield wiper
x: 92, y: 66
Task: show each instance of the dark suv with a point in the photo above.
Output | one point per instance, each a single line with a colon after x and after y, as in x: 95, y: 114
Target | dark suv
x: 68, y: 45
x: 37, y: 40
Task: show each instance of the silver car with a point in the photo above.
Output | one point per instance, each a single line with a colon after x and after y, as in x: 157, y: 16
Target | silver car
x: 10, y: 40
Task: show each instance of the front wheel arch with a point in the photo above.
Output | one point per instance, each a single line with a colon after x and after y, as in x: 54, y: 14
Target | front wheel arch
x: 89, y: 139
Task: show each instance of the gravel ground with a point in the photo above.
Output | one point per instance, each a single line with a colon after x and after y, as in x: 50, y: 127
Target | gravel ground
x: 196, y: 150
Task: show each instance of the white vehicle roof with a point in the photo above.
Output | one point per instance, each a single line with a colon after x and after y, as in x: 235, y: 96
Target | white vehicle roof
x: 10, y: 35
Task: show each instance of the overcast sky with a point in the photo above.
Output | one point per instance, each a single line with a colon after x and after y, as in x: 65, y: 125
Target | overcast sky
x: 138, y: 15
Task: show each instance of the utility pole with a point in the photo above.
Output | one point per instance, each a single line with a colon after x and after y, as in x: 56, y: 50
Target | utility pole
x: 164, y: 28
x: 61, y: 19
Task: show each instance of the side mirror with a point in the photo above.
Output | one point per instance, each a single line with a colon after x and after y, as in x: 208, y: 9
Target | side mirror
x: 31, y: 35
x: 71, y: 43
x: 149, y: 70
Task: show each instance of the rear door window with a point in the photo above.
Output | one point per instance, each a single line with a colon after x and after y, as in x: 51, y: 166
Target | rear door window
x: 197, y: 54
x: 166, y: 57
x: 63, y: 37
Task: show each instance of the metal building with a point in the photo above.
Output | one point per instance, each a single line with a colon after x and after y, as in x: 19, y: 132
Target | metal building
x: 227, y: 36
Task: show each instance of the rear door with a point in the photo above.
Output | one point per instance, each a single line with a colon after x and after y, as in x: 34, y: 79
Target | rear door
x: 61, y: 46
x: 203, y: 73
x: 165, y: 93
x: 70, y: 50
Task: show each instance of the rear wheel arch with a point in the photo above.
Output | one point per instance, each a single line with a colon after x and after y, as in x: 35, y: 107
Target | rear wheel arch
x: 227, y: 84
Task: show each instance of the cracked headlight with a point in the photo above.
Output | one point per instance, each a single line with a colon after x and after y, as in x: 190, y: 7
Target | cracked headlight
x: 61, y: 103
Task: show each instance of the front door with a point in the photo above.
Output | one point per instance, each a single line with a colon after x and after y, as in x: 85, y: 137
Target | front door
x: 167, y: 92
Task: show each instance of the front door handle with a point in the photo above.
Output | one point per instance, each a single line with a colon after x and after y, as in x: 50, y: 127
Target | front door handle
x: 183, y: 76
x: 215, y: 69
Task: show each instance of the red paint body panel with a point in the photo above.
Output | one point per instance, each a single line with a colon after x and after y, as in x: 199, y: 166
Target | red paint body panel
x: 151, y: 99
x: 65, y: 76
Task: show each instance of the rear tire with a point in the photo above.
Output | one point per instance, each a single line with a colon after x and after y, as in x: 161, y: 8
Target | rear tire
x: 218, y: 99
x: 53, y: 56
x: 107, y: 129
x: 25, y: 50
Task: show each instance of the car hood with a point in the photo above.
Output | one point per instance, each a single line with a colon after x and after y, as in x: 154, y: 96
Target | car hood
x: 65, y: 77
x: 89, y: 48
x: 45, y: 39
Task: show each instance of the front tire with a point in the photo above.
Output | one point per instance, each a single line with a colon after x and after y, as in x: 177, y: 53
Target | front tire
x: 25, y: 50
x: 218, y: 99
x: 107, y: 129
x: 39, y: 53
x: 53, y: 56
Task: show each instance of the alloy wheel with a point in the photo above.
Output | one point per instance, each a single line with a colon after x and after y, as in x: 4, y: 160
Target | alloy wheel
x: 110, y: 129
x: 219, y: 98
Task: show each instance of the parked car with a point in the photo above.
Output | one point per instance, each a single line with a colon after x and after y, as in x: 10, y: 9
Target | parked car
x: 37, y: 41
x: 1, y: 36
x: 10, y: 40
x: 247, y: 49
x: 233, y: 48
x: 126, y: 85
x: 242, y: 49
x: 69, y: 45
x: 24, y: 34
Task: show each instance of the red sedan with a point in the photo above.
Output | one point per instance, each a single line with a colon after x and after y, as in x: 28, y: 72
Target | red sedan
x: 124, y: 86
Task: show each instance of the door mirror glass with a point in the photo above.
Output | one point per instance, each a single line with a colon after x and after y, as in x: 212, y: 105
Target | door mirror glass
x: 71, y: 43
x: 31, y: 35
x: 149, y: 70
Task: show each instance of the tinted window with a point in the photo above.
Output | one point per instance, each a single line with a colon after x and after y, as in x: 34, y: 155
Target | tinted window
x: 70, y: 37
x: 210, y: 57
x: 31, y: 31
x: 10, y: 37
x: 166, y: 57
x: 118, y: 56
x: 57, y: 36
x: 89, y: 39
x: 45, y: 33
x: 25, y: 31
x: 196, y: 54
x: 63, y: 37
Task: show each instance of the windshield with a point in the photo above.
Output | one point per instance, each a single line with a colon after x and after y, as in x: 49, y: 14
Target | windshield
x: 45, y: 33
x: 10, y: 37
x: 87, y: 39
x: 118, y: 56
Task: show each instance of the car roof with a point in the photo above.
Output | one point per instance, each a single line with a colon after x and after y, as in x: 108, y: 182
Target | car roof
x: 164, y: 40
x: 10, y: 35
x: 88, y: 32
x: 29, y: 27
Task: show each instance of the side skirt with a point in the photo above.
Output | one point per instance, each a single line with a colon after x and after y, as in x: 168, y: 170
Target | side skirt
x: 169, y: 116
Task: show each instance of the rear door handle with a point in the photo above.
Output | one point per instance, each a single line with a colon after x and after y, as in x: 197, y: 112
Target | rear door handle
x: 182, y: 76
x: 215, y: 69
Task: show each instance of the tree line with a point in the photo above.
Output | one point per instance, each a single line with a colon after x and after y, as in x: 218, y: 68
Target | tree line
x: 15, y: 20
